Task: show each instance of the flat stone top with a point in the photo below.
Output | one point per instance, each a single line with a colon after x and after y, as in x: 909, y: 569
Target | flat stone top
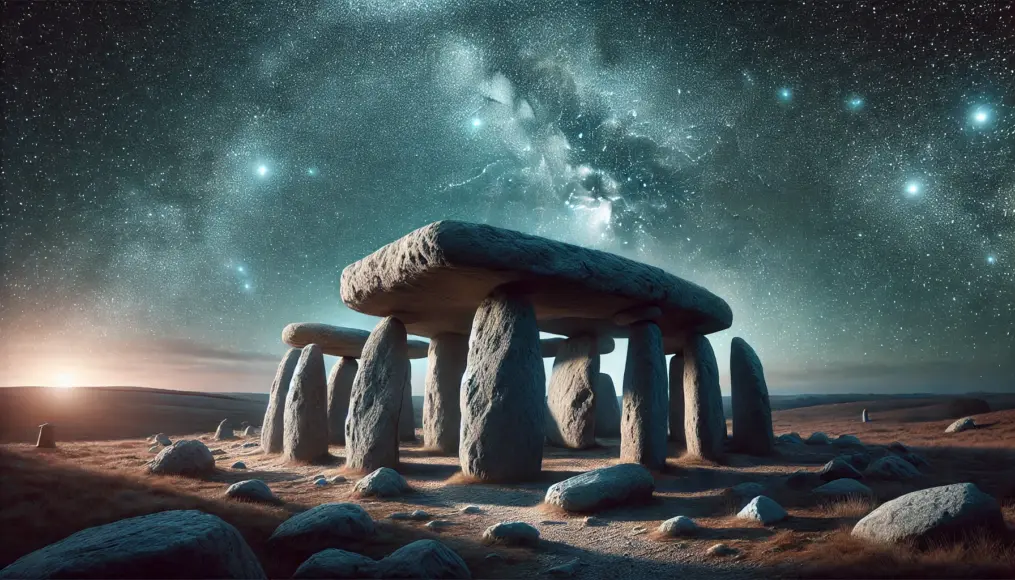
x: 549, y: 346
x: 434, y: 278
x: 338, y: 340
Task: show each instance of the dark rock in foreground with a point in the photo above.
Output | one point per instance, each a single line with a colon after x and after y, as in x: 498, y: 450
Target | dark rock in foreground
x: 321, y: 527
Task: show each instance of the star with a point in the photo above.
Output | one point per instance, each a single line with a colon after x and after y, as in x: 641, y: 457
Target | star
x: 913, y: 188
x: 785, y: 94
x: 991, y: 260
x: 980, y: 115
x: 311, y: 171
x: 262, y: 170
x: 240, y: 269
x: 855, y: 103
x: 477, y: 123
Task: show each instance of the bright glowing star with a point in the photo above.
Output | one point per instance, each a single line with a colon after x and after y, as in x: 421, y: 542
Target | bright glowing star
x: 246, y: 286
x: 240, y: 269
x: 312, y: 171
x: 855, y: 103
x: 477, y: 122
x: 981, y: 115
x: 991, y: 260
x: 262, y: 170
x: 913, y: 189
x: 785, y: 94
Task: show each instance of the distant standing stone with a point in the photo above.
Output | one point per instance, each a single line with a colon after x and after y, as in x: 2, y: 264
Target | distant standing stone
x: 371, y: 428
x: 47, y: 436
x: 339, y: 390
x: 932, y: 515
x: 185, y: 457
x: 676, y: 423
x: 442, y: 413
x: 224, y: 432
x: 306, y: 409
x: 273, y: 426
x: 704, y: 422
x: 511, y: 533
x: 752, y: 412
x: 503, y: 422
x: 249, y: 431
x: 251, y: 490
x: 645, y: 417
x: 607, y: 408
x: 571, y: 399
x: 864, y: 417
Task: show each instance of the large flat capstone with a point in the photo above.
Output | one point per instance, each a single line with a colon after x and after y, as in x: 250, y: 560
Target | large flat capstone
x: 434, y: 278
x: 338, y: 340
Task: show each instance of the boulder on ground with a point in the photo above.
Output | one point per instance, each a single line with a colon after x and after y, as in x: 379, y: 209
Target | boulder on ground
x: 224, y: 431
x: 571, y: 399
x: 251, y: 490
x: 802, y: 479
x: 603, y: 487
x: 722, y: 550
x: 239, y: 465
x: 273, y: 425
x: 186, y: 457
x: 321, y: 527
x: 183, y: 544
x: 678, y: 526
x: 704, y: 422
x: 335, y: 563
x: 442, y: 413
x: 607, y: 407
x: 339, y: 391
x: 423, y: 559
x: 897, y: 447
x: 306, y: 409
x: 162, y: 439
x: 818, y: 438
x: 763, y: 509
x: 964, y: 424
x: 511, y: 533
x: 844, y: 487
x: 931, y: 515
x: 847, y: 441
x: 892, y: 468
x: 858, y: 460
x: 384, y: 482
x: 790, y: 439
x: 839, y: 468
x: 752, y: 411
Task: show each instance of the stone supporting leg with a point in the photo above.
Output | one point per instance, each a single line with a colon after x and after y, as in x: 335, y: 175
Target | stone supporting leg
x: 752, y: 411
x: 677, y: 398
x: 406, y: 418
x: 607, y: 408
x: 371, y: 428
x: 339, y: 390
x: 273, y: 425
x: 502, y: 397
x: 442, y: 413
x: 571, y: 421
x: 643, y: 424
x: 704, y: 423
x: 306, y: 409
x: 47, y: 436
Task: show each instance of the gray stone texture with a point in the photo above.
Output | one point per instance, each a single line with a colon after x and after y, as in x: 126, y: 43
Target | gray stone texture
x: 273, y: 426
x: 644, y: 420
x: 752, y: 411
x: 704, y: 422
x: 442, y: 413
x: 305, y: 435
x: 571, y: 398
x: 339, y: 391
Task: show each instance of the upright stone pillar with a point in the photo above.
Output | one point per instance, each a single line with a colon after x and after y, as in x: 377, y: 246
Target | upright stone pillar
x: 406, y: 419
x: 677, y: 398
x: 752, y: 411
x: 371, y: 428
x: 339, y: 390
x: 704, y: 422
x: 273, y: 425
x: 502, y: 392
x: 47, y: 436
x: 643, y: 424
x: 607, y: 408
x: 571, y: 398
x: 442, y: 413
x: 306, y: 409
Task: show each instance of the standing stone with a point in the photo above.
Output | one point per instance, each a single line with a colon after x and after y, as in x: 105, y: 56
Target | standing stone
x: 224, y: 431
x: 47, y: 436
x: 274, y: 418
x: 607, y: 408
x: 865, y: 417
x: 752, y: 412
x: 442, y: 414
x: 339, y: 389
x: 571, y: 421
x: 643, y: 424
x: 306, y: 409
x: 704, y: 423
x: 371, y: 429
x: 502, y: 392
x: 677, y: 398
x: 406, y: 417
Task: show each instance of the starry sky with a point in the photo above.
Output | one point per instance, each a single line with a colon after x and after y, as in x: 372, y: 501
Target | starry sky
x: 180, y: 180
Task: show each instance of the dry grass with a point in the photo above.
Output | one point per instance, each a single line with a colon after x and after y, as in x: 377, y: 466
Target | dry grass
x: 854, y: 507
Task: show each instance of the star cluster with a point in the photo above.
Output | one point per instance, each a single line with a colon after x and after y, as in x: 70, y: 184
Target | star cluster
x: 842, y: 174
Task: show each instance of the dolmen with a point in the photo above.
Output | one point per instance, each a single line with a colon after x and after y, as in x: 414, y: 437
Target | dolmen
x: 490, y: 291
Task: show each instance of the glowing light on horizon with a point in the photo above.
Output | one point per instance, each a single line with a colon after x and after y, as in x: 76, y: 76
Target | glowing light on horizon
x: 64, y: 380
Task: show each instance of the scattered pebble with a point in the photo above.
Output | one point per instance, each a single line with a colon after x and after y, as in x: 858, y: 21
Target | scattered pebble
x: 336, y: 479
x: 471, y: 509
x: 218, y: 452
x: 552, y: 523
x: 638, y: 530
x: 239, y: 465
x: 565, y: 570
x: 722, y: 550
x: 594, y: 521
x: 438, y: 524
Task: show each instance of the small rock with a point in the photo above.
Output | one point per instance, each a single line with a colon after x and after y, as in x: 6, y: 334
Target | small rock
x: 162, y: 439
x: 844, y: 487
x: 437, y: 525
x: 251, y: 490
x: 838, y: 468
x: 722, y: 550
x: 250, y: 444
x: 892, y: 468
x: 818, y: 438
x: 638, y: 530
x: 419, y: 515
x: 471, y: 509
x: 858, y: 460
x: 678, y: 526
x: 384, y: 482
x: 748, y: 489
x: 790, y: 439
x: 963, y: 424
x: 336, y: 479
x: 565, y: 570
x: 552, y: 523
x: 154, y: 449
x: 847, y: 441
x: 239, y: 465
x: 321, y: 482
x: 335, y: 563
x: 250, y: 431
x: 224, y: 431
x: 801, y: 479
x: 764, y: 510
x: 915, y: 459
x: 593, y: 521
x: 511, y: 533
x: 493, y: 557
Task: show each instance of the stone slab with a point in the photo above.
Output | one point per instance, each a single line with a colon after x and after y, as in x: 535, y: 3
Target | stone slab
x: 339, y: 340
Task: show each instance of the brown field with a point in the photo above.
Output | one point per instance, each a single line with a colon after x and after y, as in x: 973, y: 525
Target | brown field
x: 48, y: 495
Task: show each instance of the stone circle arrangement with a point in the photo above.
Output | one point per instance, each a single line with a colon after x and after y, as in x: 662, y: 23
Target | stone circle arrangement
x: 481, y: 295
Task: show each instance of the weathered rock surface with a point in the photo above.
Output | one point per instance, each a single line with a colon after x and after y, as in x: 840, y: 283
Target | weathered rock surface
x: 321, y: 527
x: 273, y: 426
x: 249, y: 431
x: 339, y: 341
x: 306, y: 409
x: 897, y: 447
x: 839, y: 468
x: 607, y: 407
x: 571, y: 398
x: 335, y: 563
x: 722, y: 550
x: 423, y: 559
x: 406, y: 420
x: 224, y: 432
x: 162, y: 439
x: 442, y: 412
x: 47, y: 436
x: 916, y: 460
x: 339, y: 391
x: 601, y: 488
x: 790, y: 439
x: 180, y: 544
x: 185, y: 457
x: 676, y: 407
x: 678, y: 526
x: 752, y: 411
x: 550, y: 347
x: 858, y: 460
x: 892, y: 468
x: 251, y: 490
x: 384, y: 482
x: 818, y: 438
x: 764, y: 510
x: 704, y: 422
x: 931, y: 515
x: 239, y: 465
x: 964, y: 424
x: 843, y: 488
x: 511, y: 533
x: 643, y: 423
x: 503, y: 422
x: 847, y: 441
x: 371, y: 428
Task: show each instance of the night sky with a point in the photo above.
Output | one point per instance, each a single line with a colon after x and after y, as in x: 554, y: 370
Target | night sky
x: 180, y: 180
